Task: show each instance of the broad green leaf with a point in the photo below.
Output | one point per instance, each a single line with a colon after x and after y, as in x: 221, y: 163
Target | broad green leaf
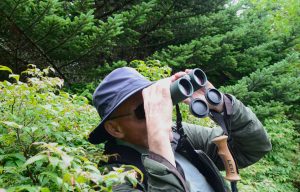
x: 135, y: 169
x: 54, y: 161
x: 11, y: 124
x: 68, y: 177
x: 132, y: 180
x: 54, y: 177
x: 16, y: 77
x: 4, y: 68
x: 26, y: 188
x: 34, y: 128
x: 93, y: 168
x: 67, y: 160
x: 81, y: 179
x: 96, y: 178
x: 1, y: 169
x: 45, y: 189
x: 34, y: 159
x: 18, y: 156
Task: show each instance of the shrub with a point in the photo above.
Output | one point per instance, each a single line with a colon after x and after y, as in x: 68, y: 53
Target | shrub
x: 43, y: 134
x: 273, y: 93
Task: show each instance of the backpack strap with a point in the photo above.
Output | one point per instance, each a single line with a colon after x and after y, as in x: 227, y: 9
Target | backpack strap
x: 224, y: 119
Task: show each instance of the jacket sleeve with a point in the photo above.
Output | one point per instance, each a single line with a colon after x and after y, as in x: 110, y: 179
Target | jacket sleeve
x: 250, y: 141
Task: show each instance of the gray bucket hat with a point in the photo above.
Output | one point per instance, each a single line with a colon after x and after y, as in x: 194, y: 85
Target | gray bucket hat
x: 115, y: 88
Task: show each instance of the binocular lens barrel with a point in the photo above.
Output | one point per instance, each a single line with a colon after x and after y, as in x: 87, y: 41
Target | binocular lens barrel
x: 198, y: 78
x: 185, y: 86
x: 199, y: 108
x: 181, y: 89
x: 213, y: 96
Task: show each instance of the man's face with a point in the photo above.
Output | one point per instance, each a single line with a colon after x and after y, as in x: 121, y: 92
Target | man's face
x: 134, y: 129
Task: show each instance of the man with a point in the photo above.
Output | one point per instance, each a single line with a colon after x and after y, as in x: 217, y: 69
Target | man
x: 137, y: 125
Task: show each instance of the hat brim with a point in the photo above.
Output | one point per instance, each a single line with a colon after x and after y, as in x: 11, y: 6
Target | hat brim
x: 99, y: 134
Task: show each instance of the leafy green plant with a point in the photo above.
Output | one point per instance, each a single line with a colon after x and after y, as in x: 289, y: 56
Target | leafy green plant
x: 152, y: 69
x: 273, y: 93
x: 7, y: 74
x: 43, y: 134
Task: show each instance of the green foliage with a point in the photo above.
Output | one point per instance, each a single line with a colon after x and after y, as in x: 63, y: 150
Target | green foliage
x: 54, y: 31
x: 232, y: 54
x: 7, y: 74
x: 274, y: 95
x: 4, y: 68
x: 188, y: 117
x: 279, y: 171
x: 283, y: 15
x: 83, y: 89
x: 152, y: 69
x: 43, y: 134
x: 85, y: 40
x: 272, y: 88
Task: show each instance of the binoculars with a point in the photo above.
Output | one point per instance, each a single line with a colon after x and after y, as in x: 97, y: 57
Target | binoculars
x: 185, y: 86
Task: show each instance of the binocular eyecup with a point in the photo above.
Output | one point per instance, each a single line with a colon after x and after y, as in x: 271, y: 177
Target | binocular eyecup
x: 199, y: 108
x: 213, y: 96
x: 185, y: 86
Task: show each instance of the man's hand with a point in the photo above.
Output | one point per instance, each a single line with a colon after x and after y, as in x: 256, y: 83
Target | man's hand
x: 158, y: 112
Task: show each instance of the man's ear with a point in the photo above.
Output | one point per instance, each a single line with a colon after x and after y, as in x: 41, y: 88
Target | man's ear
x: 114, y: 129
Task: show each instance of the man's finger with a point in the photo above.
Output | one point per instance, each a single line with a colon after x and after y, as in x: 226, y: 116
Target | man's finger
x: 178, y: 75
x: 188, y: 70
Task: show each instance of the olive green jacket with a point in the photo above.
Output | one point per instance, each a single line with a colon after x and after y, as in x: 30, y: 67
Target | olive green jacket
x: 249, y: 144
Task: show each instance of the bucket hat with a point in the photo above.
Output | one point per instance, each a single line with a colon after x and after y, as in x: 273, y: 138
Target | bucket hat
x: 115, y: 88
